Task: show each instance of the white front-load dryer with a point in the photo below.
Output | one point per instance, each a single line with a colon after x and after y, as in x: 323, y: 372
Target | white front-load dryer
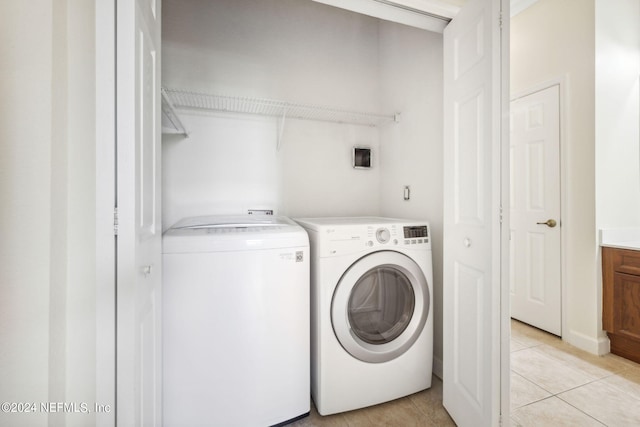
x: 371, y: 315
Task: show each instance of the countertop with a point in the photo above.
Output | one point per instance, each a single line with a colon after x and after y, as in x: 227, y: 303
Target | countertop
x: 621, y: 238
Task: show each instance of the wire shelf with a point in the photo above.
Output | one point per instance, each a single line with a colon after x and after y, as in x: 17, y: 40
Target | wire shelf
x: 268, y: 107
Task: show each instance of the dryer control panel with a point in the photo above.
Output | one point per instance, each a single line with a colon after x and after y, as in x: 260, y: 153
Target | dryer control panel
x: 416, y: 235
x: 416, y: 232
x: 341, y: 236
x: 395, y: 235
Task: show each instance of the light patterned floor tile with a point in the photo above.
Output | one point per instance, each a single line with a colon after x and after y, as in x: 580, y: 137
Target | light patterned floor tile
x: 524, y: 392
x: 525, y: 341
x: 316, y: 420
x: 605, y: 403
x: 530, y: 336
x: 513, y: 423
x: 420, y: 409
x: 553, y: 375
x: 429, y: 402
x: 552, y: 412
x: 516, y: 345
x: 627, y: 381
x: 401, y: 412
x: 542, y: 364
x: 590, y: 364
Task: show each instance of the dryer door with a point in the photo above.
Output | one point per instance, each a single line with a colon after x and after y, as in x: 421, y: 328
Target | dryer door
x: 380, y: 306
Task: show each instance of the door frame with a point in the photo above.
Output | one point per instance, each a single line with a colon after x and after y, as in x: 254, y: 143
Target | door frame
x: 562, y: 83
x: 106, y: 55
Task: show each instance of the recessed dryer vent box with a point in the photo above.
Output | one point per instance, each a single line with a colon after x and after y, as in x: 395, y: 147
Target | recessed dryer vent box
x: 361, y: 158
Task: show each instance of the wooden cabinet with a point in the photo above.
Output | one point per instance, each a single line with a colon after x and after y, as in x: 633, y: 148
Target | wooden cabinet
x: 621, y: 301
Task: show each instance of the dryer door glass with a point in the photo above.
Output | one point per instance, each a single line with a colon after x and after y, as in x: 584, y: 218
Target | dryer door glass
x: 381, y: 305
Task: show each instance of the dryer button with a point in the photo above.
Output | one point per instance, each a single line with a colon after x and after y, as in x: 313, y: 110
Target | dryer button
x: 369, y: 243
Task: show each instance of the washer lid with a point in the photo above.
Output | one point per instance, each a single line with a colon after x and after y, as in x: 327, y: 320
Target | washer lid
x: 232, y: 222
x: 232, y: 233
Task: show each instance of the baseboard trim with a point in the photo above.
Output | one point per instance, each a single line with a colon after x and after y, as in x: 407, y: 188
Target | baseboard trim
x: 597, y: 346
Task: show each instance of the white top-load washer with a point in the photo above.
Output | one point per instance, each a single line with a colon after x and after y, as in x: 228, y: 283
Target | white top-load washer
x: 371, y: 310
x: 235, y: 322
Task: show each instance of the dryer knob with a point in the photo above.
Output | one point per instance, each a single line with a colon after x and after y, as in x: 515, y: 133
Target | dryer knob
x: 383, y: 235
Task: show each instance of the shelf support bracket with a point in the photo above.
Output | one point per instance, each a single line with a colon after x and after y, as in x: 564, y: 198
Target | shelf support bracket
x: 169, y: 111
x: 281, y: 129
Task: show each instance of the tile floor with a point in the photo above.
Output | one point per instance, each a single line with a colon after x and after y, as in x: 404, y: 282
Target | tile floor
x: 421, y: 409
x: 552, y: 384
x: 555, y: 384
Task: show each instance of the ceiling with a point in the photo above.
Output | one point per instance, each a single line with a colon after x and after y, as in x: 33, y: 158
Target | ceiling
x: 432, y: 15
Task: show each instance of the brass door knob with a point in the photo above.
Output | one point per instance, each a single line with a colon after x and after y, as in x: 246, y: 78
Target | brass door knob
x: 549, y: 223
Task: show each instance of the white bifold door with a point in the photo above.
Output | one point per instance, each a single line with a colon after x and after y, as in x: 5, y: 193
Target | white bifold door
x: 475, y: 237
x: 139, y: 359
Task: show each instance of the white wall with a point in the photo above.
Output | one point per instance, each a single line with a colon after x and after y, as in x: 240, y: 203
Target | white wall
x: 227, y: 165
x: 47, y: 199
x: 617, y: 113
x: 411, y: 151
x: 25, y: 211
x: 556, y: 40
x: 288, y: 50
x: 617, y: 91
x: 317, y: 174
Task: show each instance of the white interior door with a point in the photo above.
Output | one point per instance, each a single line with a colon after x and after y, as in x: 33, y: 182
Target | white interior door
x: 473, y: 188
x: 138, y: 368
x: 535, y: 281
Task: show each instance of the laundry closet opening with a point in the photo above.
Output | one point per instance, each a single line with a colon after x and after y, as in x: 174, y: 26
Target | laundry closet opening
x: 307, y: 53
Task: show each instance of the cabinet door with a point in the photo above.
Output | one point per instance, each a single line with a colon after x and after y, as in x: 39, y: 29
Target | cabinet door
x: 618, y: 265
x: 626, y: 310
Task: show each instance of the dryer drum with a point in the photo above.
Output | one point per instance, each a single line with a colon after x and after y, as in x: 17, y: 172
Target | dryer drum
x: 381, y: 305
